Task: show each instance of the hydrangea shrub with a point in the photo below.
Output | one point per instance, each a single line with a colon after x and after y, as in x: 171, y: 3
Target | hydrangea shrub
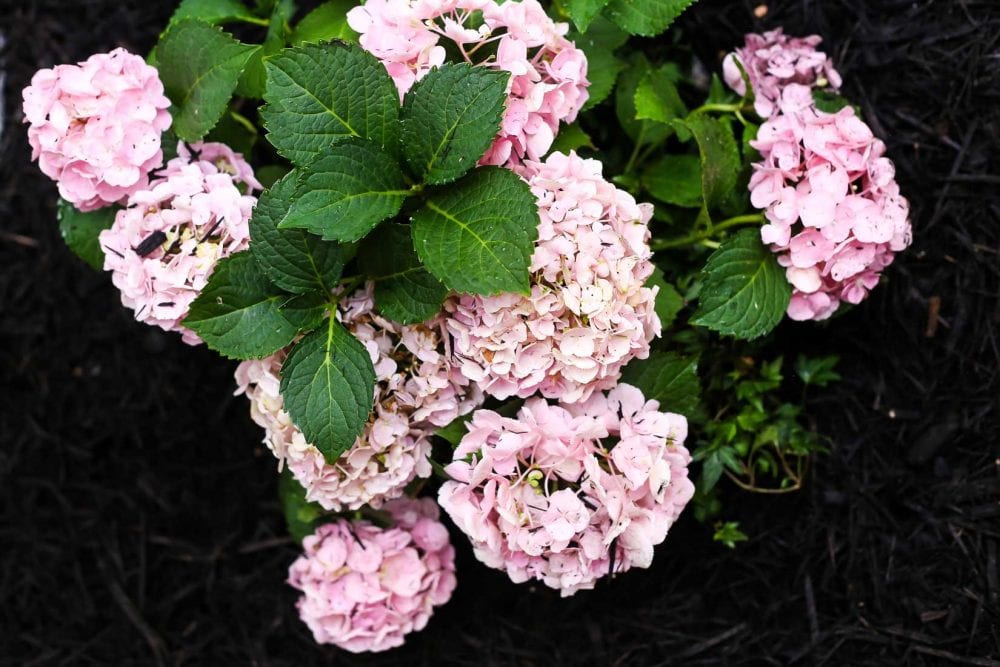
x: 491, y: 256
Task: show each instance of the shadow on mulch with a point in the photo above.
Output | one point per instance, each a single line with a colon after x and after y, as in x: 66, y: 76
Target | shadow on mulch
x: 138, y: 521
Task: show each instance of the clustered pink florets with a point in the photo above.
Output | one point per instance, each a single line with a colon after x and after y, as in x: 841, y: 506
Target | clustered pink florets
x: 164, y: 245
x: 548, y: 82
x: 588, y: 313
x: 774, y: 60
x: 544, y: 497
x: 417, y: 390
x: 95, y: 127
x: 364, y: 588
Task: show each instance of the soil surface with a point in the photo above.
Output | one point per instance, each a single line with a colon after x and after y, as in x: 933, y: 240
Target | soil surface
x: 138, y: 516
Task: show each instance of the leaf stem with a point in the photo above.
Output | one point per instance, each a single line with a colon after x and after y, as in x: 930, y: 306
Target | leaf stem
x: 254, y: 20
x: 698, y: 237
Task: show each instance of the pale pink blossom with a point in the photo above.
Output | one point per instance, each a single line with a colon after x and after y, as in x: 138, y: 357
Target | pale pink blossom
x: 548, y: 82
x: 364, y: 588
x: 566, y: 494
x: 588, y: 312
x: 417, y: 390
x: 163, y: 246
x: 835, y: 215
x: 95, y: 127
x: 774, y: 60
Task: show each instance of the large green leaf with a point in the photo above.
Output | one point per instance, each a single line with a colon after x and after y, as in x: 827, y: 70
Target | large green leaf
x: 668, y: 378
x: 346, y: 192
x: 326, y: 22
x: 328, y: 383
x: 646, y: 17
x: 745, y: 293
x: 253, y: 81
x: 237, y: 313
x: 720, y: 157
x: 584, y: 11
x: 675, y: 179
x: 213, y: 11
x: 293, y: 259
x: 199, y: 66
x: 478, y: 236
x: 450, y: 117
x: 81, y: 231
x: 404, y: 290
x: 599, y: 44
x: 319, y: 94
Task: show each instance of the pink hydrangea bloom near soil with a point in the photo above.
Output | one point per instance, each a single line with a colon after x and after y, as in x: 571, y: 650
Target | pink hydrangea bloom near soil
x: 588, y: 313
x: 417, y: 390
x: 95, y: 127
x: 364, y: 588
x: 544, y: 496
x: 548, y: 82
x: 835, y: 214
x: 164, y: 245
x: 774, y: 60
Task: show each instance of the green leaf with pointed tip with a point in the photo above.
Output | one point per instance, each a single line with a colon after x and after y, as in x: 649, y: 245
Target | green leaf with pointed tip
x: 212, y: 11
x: 584, y: 11
x: 454, y: 431
x: 646, y: 17
x: 238, y: 312
x: 81, y: 231
x: 319, y: 94
x: 642, y: 132
x: 326, y: 22
x: 675, y: 179
x: 570, y: 138
x: 450, y: 117
x: 253, y: 81
x: 405, y: 291
x: 342, y: 195
x: 478, y: 236
x: 720, y: 157
x: 668, y: 378
x: 745, y: 293
x: 599, y: 44
x: 656, y: 97
x: 327, y: 383
x: 199, y: 66
x: 293, y: 259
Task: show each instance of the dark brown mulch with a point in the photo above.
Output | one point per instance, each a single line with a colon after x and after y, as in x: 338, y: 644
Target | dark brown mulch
x: 138, y: 521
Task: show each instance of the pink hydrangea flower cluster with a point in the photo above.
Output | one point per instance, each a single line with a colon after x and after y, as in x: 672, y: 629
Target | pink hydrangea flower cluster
x: 835, y: 214
x: 774, y: 60
x: 417, y: 390
x: 164, y: 245
x: 364, y: 588
x: 548, y: 81
x: 543, y: 497
x: 588, y: 313
x: 95, y: 127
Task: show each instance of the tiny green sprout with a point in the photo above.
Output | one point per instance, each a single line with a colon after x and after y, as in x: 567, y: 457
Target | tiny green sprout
x: 729, y: 533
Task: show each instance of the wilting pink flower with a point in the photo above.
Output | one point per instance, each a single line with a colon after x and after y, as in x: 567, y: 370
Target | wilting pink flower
x: 774, y: 60
x: 163, y: 247
x: 95, y: 127
x: 548, y: 81
x: 588, y: 313
x: 417, y: 390
x: 563, y: 493
x: 835, y: 214
x: 364, y: 588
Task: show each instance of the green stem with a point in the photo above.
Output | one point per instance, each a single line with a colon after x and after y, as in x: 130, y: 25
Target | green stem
x: 697, y: 237
x: 255, y: 20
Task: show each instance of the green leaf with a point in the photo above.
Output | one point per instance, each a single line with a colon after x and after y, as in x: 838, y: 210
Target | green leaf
x: 450, y: 117
x: 404, y: 290
x: 642, y: 132
x: 328, y: 383
x: 301, y: 516
x: 829, y: 102
x: 817, y: 371
x: 306, y: 311
x: 668, y: 378
x: 326, y: 22
x: 584, y: 11
x: 293, y: 259
x: 253, y: 81
x: 237, y: 313
x: 234, y: 131
x: 675, y: 179
x: 319, y: 94
x: 199, y: 66
x: 668, y: 300
x: 455, y: 431
x: 646, y: 17
x: 478, y: 236
x: 745, y: 293
x: 81, y: 231
x: 270, y: 174
x: 720, y: 158
x: 656, y: 97
x: 570, y: 138
x: 346, y: 192
x: 213, y: 11
x: 599, y: 44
